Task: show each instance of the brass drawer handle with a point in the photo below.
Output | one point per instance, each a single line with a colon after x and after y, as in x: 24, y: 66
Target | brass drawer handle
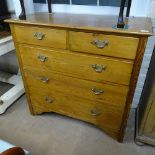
x: 94, y: 112
x: 39, y: 35
x: 100, y: 44
x: 44, y: 79
x: 42, y: 58
x: 99, y: 68
x: 97, y: 91
x: 49, y: 99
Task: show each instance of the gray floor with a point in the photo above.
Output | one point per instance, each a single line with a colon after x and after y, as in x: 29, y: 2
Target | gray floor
x: 52, y: 134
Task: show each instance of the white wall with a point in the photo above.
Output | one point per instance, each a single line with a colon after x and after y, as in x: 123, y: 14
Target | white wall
x: 138, y: 8
x: 151, y: 10
x: 15, y: 4
x: 10, y: 5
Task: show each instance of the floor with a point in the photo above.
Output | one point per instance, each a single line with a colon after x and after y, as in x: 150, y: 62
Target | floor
x: 52, y: 134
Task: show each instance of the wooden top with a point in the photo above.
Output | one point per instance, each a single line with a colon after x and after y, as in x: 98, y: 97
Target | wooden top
x: 104, y: 23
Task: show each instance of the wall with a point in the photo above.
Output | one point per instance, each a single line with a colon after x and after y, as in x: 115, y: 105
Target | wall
x: 138, y: 8
x: 15, y: 5
x: 147, y: 55
x: 10, y: 5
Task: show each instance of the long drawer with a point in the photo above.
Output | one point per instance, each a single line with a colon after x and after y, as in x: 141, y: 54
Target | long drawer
x: 109, y: 45
x: 90, y: 67
x: 102, y: 115
x: 114, y: 95
x: 41, y: 36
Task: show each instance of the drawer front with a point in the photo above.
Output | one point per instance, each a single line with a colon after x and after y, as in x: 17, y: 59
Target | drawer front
x: 41, y: 36
x: 114, y: 95
x: 109, y: 45
x: 96, y: 68
x: 102, y: 115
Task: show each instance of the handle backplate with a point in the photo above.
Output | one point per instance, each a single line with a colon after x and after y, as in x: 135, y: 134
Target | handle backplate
x: 42, y: 58
x: 44, y: 79
x: 39, y: 35
x: 97, y: 91
x: 99, y: 68
x: 49, y: 99
x: 100, y: 43
x: 94, y: 112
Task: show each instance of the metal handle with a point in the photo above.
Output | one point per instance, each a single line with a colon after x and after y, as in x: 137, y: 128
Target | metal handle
x: 44, y: 79
x: 94, y: 112
x: 42, y: 58
x: 39, y: 35
x: 49, y: 99
x: 99, y: 68
x: 97, y: 91
x: 100, y: 44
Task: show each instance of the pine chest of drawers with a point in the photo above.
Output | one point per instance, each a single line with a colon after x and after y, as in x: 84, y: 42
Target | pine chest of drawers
x: 79, y: 66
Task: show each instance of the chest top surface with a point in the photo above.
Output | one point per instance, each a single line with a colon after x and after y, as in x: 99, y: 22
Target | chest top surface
x: 101, y: 23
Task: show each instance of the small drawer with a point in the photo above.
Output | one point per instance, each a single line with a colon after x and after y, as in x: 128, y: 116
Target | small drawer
x: 83, y: 66
x: 114, y: 95
x: 41, y: 36
x: 109, y: 45
x: 100, y: 114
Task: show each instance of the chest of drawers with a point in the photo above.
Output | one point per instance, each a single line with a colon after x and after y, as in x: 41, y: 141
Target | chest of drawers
x: 79, y: 66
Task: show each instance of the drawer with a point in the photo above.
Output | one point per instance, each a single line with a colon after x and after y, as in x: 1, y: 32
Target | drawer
x: 41, y: 36
x: 102, y: 115
x: 83, y: 66
x: 114, y: 95
x: 109, y: 45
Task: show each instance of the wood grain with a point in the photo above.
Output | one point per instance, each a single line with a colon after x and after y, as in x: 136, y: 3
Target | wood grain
x: 113, y: 94
x: 78, y: 65
x: 118, y: 46
x: 70, y: 105
x: 71, y: 75
x: 133, y: 82
x: 99, y: 23
x: 21, y: 69
x: 52, y: 37
x: 149, y: 128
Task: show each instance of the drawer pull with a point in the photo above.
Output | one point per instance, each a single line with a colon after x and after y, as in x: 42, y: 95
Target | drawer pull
x: 39, y: 35
x: 42, y: 58
x: 97, y: 91
x: 49, y: 99
x: 44, y: 79
x: 94, y: 112
x: 100, y: 44
x: 99, y: 68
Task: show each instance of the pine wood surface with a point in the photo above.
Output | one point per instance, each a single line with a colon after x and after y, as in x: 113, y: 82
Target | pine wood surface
x: 113, y: 94
x: 104, y: 23
x: 75, y: 64
x: 118, y: 46
x: 68, y: 59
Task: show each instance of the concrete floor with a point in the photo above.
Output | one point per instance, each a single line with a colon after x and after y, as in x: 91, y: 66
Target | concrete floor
x: 52, y: 134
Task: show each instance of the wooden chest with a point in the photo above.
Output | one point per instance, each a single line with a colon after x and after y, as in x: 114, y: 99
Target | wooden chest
x: 80, y: 66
